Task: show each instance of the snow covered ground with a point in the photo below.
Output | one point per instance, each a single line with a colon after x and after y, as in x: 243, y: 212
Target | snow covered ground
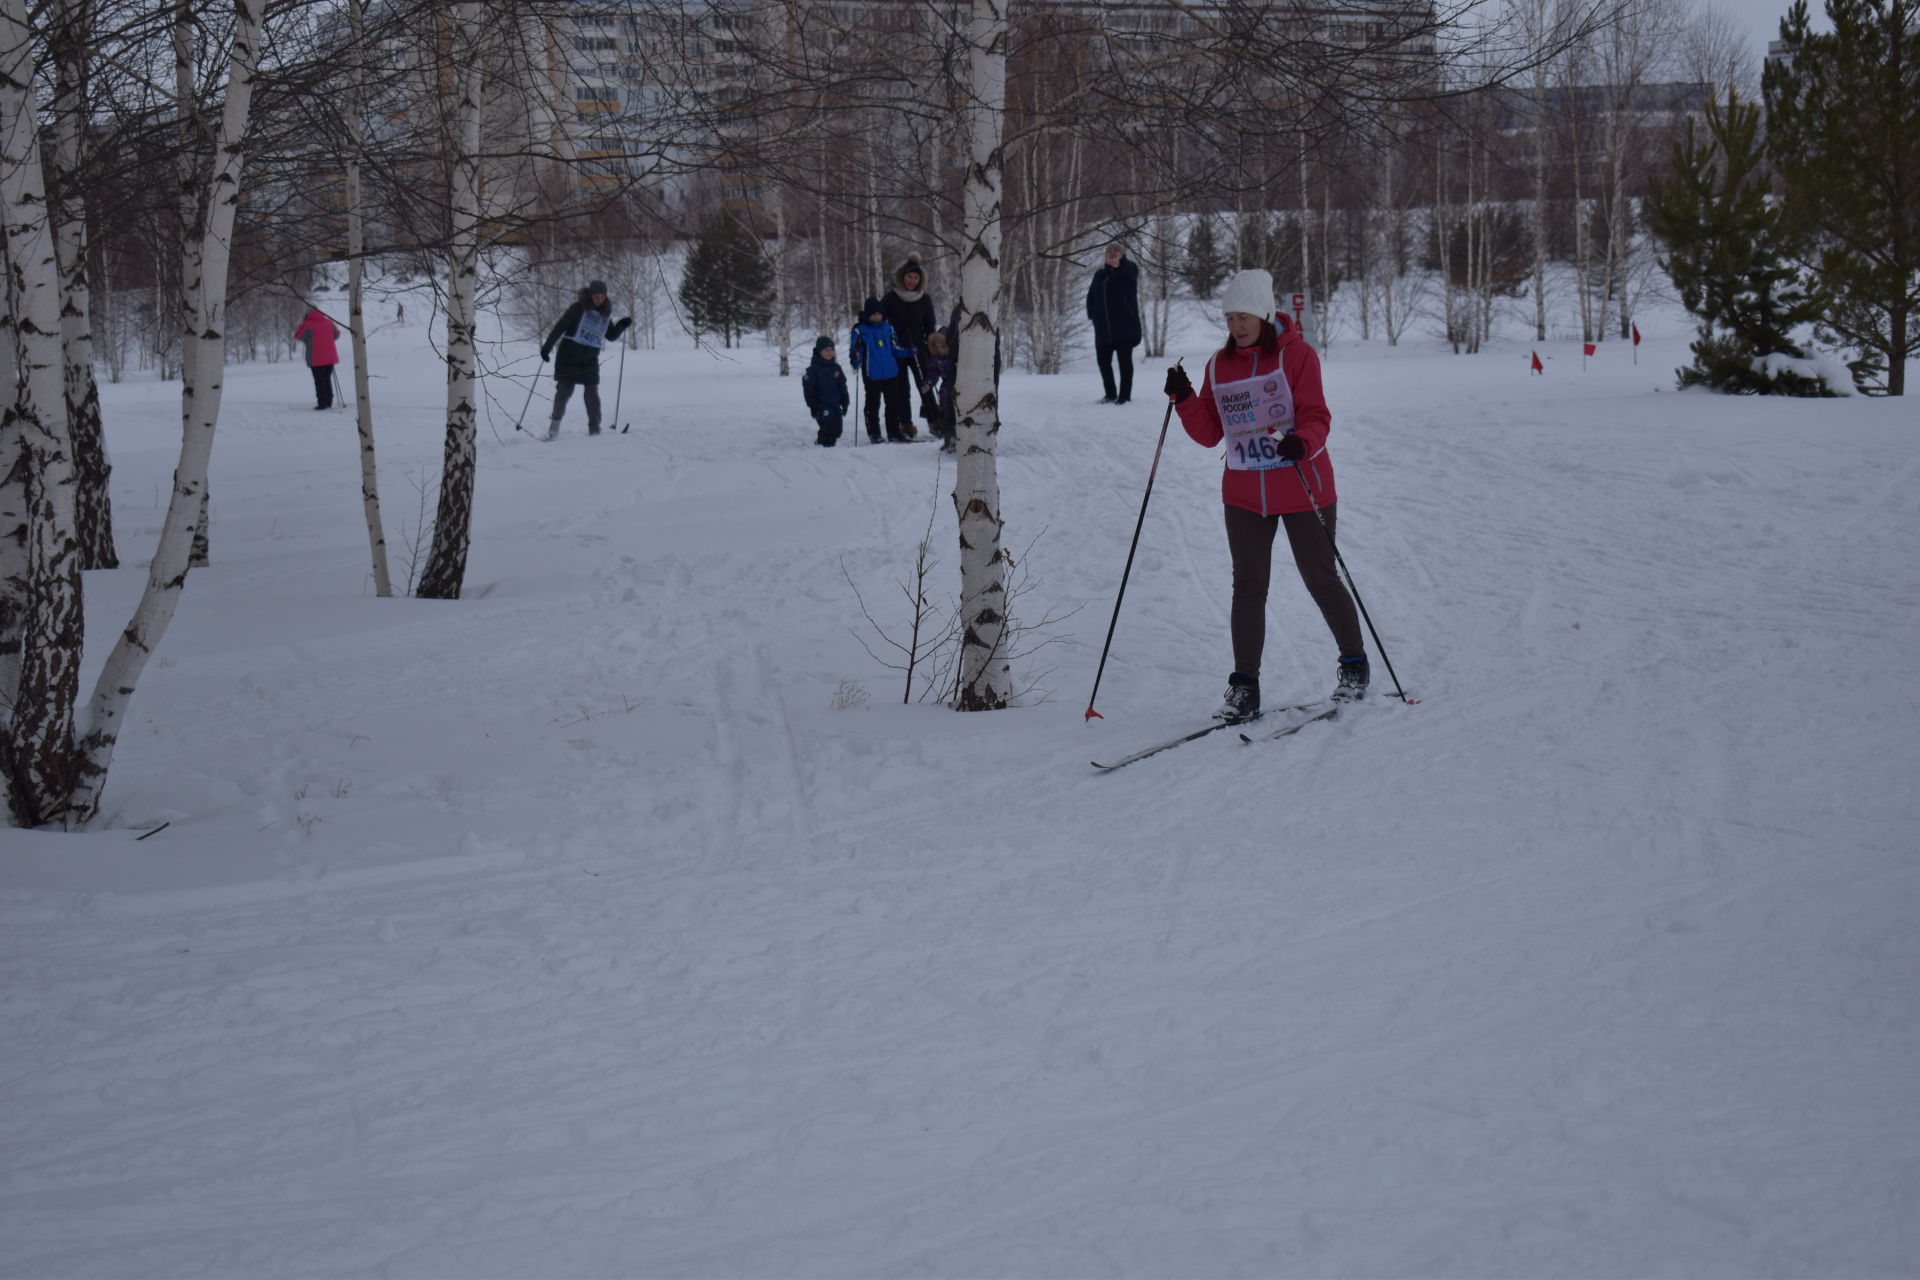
x: 570, y: 930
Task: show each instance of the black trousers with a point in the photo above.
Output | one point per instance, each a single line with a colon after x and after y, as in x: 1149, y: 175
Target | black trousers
x: 1105, y: 355
x: 899, y: 406
x: 1250, y: 539
x: 323, y: 386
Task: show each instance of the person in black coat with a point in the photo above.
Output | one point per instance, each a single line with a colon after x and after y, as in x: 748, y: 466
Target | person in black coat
x: 824, y: 388
x: 908, y: 307
x: 1113, y: 304
x: 580, y: 335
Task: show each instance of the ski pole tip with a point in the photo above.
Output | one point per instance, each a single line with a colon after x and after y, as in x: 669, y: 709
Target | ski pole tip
x: 1092, y: 714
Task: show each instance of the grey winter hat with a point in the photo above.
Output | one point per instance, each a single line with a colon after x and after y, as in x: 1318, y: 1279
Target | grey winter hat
x: 822, y: 343
x: 597, y: 286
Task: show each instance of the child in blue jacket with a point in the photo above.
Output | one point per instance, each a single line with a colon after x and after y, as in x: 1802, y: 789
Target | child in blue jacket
x: 825, y: 389
x: 877, y: 354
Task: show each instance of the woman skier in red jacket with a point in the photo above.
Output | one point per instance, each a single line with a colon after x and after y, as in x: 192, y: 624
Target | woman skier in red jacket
x: 318, y: 332
x: 1261, y: 396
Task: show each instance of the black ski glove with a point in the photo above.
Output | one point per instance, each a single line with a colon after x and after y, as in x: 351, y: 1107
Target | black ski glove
x: 1291, y: 447
x: 543, y: 355
x: 1179, y: 385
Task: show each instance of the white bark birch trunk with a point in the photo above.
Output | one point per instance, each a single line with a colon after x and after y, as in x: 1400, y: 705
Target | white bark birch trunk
x: 193, y: 212
x: 207, y: 247
x: 36, y: 745
x: 453, y: 522
x: 1312, y: 333
x: 1537, y: 216
x: 986, y: 674
x: 356, y: 304
x: 782, y: 319
x: 93, y: 508
x: 1443, y: 242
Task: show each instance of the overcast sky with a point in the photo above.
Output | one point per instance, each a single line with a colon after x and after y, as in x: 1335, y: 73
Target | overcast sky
x: 1761, y: 18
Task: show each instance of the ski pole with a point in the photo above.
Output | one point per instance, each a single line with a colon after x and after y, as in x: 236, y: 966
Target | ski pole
x: 338, y: 394
x: 1340, y: 560
x: 532, y: 385
x: 619, y: 383
x: 1126, y: 572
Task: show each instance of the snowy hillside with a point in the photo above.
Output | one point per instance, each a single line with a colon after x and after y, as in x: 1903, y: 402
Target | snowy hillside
x: 571, y: 930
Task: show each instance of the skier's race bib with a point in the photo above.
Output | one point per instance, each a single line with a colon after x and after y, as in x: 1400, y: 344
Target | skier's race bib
x: 592, y: 330
x: 1255, y: 412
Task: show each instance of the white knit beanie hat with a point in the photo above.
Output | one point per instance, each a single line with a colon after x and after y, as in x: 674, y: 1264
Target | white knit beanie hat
x: 1250, y: 291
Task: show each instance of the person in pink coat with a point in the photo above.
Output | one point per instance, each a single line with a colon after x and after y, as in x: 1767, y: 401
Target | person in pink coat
x: 319, y: 334
x: 1261, y: 397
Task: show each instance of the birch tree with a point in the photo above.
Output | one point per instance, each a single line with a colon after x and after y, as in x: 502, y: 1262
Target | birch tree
x: 356, y: 311
x: 211, y: 191
x: 42, y: 624
x: 986, y: 674
x: 453, y: 522
x: 71, y: 46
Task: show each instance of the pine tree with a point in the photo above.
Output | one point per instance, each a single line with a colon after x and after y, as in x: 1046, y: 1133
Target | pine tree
x: 727, y: 283
x: 1843, y: 132
x: 1728, y: 255
x: 1203, y: 268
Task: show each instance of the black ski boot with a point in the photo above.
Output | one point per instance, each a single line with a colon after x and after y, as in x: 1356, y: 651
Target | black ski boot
x: 1353, y: 679
x: 1243, y: 699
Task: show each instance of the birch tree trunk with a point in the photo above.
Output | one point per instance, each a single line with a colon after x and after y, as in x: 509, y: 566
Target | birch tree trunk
x: 1537, y: 215
x: 193, y: 206
x: 356, y: 302
x: 1443, y: 241
x: 206, y: 248
x: 1312, y: 333
x: 1160, y: 312
x: 1582, y: 240
x: 782, y: 319
x: 93, y: 508
x: 453, y: 523
x: 45, y: 617
x: 986, y: 674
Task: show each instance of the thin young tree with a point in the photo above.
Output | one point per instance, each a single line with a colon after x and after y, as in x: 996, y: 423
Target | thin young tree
x: 356, y: 304
x: 214, y: 189
x: 453, y: 521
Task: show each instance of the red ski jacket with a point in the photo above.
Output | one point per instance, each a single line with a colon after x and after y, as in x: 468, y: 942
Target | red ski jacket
x: 1276, y: 492
x: 318, y: 333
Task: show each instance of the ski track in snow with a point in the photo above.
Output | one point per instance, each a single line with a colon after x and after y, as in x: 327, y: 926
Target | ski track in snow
x: 566, y: 930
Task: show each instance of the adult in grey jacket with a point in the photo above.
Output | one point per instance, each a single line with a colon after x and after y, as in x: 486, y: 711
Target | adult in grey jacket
x: 1113, y: 304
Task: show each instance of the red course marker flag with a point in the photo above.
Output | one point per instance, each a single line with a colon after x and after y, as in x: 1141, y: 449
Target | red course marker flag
x: 1636, y: 335
x: 1588, y: 349
x: 1537, y: 366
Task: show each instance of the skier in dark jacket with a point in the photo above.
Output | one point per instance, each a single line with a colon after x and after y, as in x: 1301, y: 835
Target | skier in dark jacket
x: 825, y: 388
x: 908, y: 307
x: 580, y: 335
x: 1113, y: 304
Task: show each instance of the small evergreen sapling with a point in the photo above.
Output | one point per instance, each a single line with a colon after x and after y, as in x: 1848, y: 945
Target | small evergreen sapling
x: 1730, y: 257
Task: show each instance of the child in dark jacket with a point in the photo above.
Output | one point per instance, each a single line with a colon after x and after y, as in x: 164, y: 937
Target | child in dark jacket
x: 939, y: 371
x: 825, y: 389
x: 882, y: 362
